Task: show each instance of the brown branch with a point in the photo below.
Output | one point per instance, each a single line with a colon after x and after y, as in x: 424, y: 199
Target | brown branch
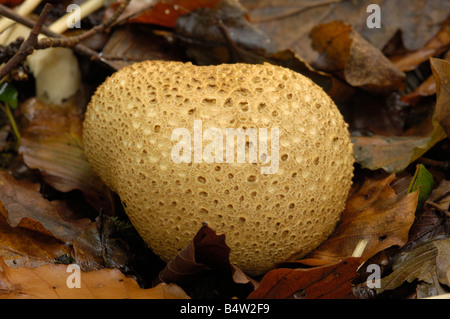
x: 72, y: 41
x: 28, y: 46
x: 32, y: 43
x: 79, y: 48
x: 434, y: 163
x: 436, y: 207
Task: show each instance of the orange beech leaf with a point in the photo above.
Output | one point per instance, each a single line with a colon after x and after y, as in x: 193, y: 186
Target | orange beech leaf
x: 441, y: 72
x: 439, y: 44
x: 289, y: 22
x: 23, y: 247
x: 206, y: 252
x: 374, y: 213
x: 326, y: 282
x: 166, y: 12
x: 22, y: 205
x: 395, y: 153
x: 51, y: 282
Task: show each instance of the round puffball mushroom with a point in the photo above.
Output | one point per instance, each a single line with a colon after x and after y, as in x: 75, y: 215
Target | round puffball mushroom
x: 258, y: 152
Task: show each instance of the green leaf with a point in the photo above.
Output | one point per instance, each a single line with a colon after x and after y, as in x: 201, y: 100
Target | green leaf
x: 8, y: 94
x: 422, y: 180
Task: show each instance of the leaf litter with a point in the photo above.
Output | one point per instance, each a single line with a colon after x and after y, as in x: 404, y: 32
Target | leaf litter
x: 391, y: 85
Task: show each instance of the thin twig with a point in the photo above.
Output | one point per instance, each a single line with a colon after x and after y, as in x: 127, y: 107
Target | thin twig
x: 28, y: 46
x: 436, y: 207
x: 72, y: 41
x: 434, y: 163
x: 79, y: 48
x: 70, y: 19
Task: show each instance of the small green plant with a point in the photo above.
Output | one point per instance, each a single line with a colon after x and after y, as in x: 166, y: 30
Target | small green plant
x: 8, y: 99
x: 121, y: 225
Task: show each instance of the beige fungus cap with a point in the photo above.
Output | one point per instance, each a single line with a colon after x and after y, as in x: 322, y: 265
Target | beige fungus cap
x: 267, y: 218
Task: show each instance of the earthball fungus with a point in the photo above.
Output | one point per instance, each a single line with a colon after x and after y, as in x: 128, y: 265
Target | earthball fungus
x: 258, y: 152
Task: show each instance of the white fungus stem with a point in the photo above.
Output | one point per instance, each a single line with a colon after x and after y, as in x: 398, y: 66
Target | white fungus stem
x: 24, y: 10
x: 86, y: 9
x: 360, y: 247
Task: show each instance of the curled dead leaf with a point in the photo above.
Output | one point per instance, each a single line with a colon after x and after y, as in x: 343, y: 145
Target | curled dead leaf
x: 326, y: 282
x: 22, y: 205
x: 290, y: 22
x: 206, y: 252
x: 20, y: 247
x: 52, y: 143
x: 395, y: 153
x: 50, y: 282
x: 441, y: 72
x: 345, y: 52
x: 374, y: 213
x: 428, y: 263
x: 426, y: 88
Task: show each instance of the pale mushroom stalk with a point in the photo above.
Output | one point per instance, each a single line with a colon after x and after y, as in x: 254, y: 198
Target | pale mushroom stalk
x: 23, y: 9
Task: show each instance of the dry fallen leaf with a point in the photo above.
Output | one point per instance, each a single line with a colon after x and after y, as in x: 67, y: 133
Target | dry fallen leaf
x: 133, y: 43
x: 395, y: 153
x: 224, y: 32
x: 374, y: 213
x: 290, y: 21
x: 428, y: 263
x: 207, y: 251
x: 327, y: 282
x: 346, y: 53
x: 426, y: 88
x: 436, y: 46
x: 443, y: 260
x: 441, y: 72
x: 52, y: 143
x: 21, y: 247
x: 22, y: 205
x: 50, y: 282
